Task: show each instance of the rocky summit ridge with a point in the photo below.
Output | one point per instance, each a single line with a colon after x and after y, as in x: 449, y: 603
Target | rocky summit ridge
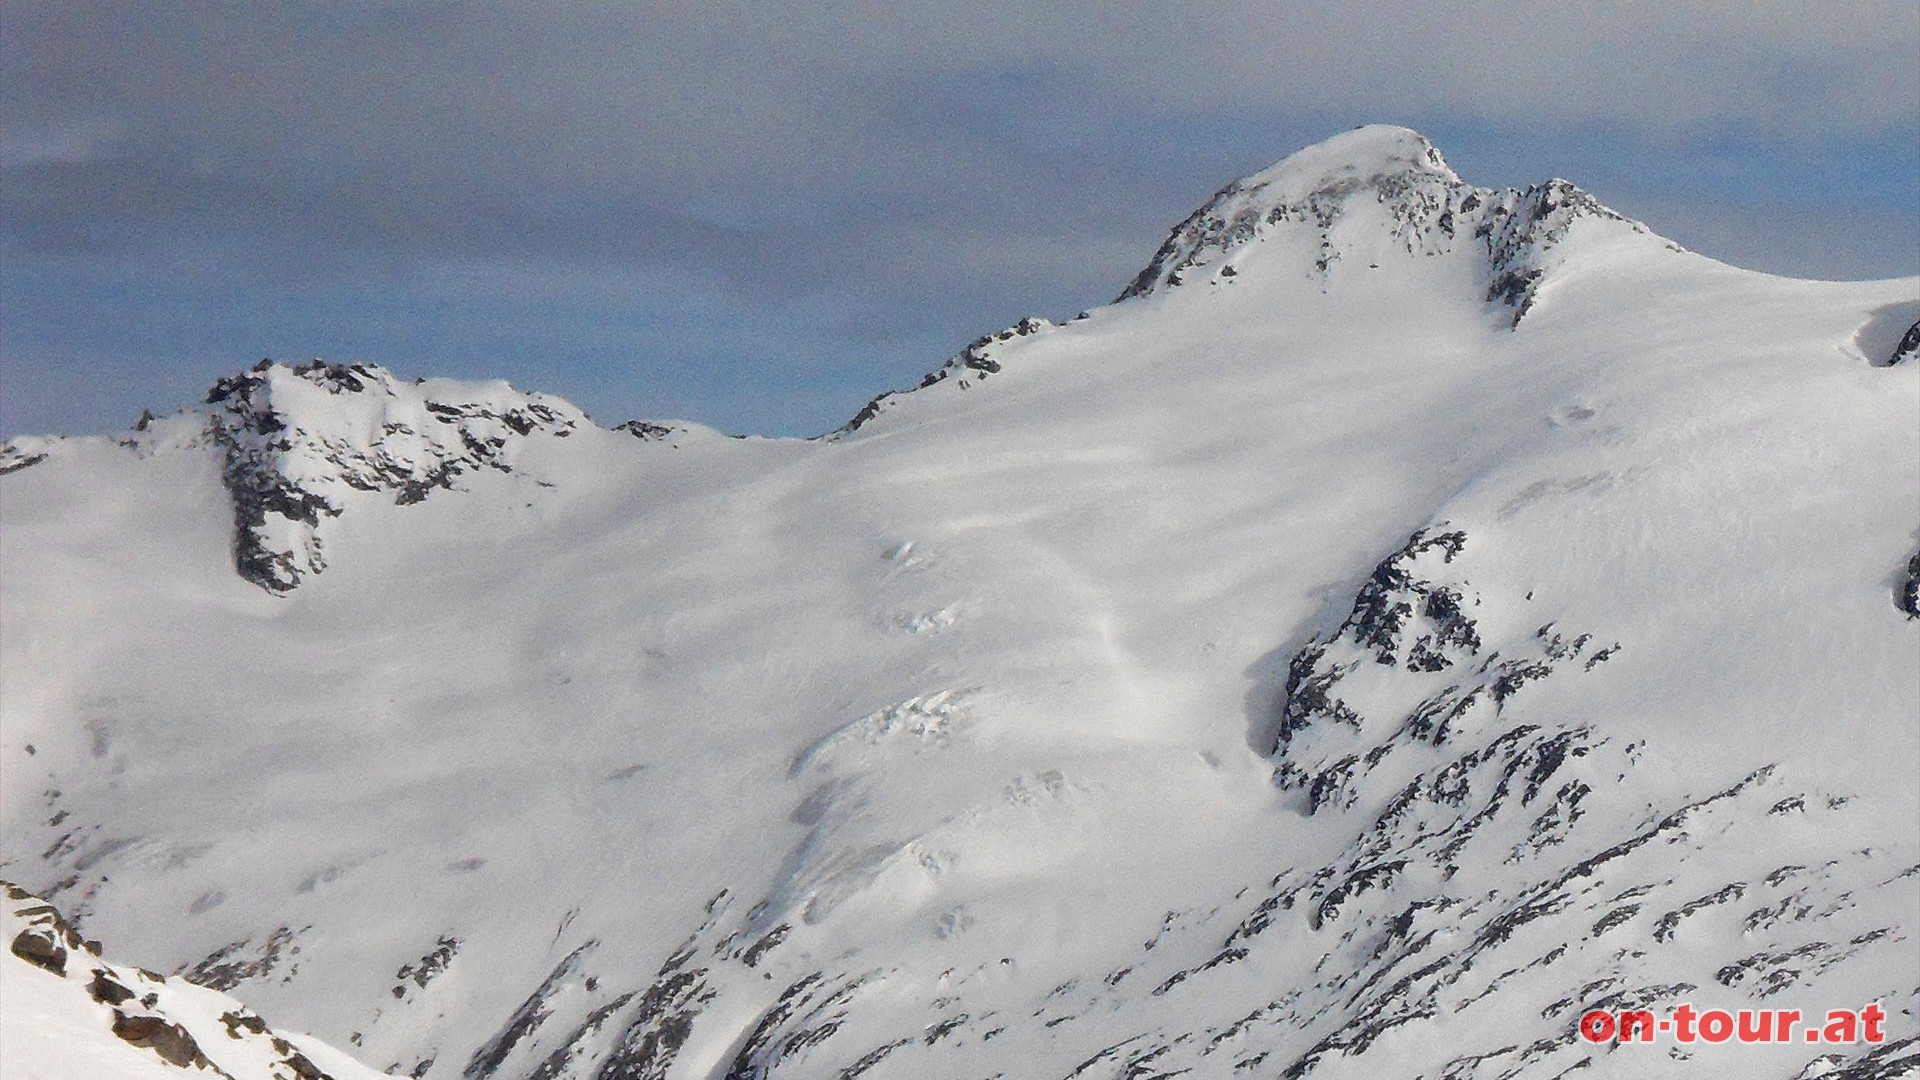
x: 1298, y: 669
x: 299, y: 442
x: 296, y: 441
x: 1395, y: 181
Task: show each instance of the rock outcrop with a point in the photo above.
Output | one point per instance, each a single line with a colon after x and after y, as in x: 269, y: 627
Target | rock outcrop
x: 1427, y: 209
x: 72, y: 1006
x: 298, y: 442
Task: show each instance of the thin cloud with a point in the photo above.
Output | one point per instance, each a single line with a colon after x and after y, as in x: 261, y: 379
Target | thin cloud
x: 937, y: 168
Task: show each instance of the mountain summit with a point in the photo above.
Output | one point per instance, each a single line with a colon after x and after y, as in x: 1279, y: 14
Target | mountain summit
x: 299, y: 443
x: 1415, y: 617
x: 1377, y: 193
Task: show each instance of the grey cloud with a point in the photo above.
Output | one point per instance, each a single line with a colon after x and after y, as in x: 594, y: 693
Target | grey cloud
x: 120, y: 203
x: 711, y: 107
x: 951, y: 165
x: 1820, y: 242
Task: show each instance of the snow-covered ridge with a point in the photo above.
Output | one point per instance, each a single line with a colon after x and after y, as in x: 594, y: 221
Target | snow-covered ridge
x: 1294, y: 673
x: 971, y: 365
x: 1373, y: 193
x: 1396, y: 179
x: 299, y: 440
x: 298, y: 444
x: 71, y: 1014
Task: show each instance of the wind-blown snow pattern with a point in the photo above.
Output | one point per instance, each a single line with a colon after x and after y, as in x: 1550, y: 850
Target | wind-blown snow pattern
x: 1412, y: 616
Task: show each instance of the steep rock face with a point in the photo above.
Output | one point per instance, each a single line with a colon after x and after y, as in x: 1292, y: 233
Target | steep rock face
x: 1477, y: 829
x: 1412, y: 631
x: 1906, y: 596
x: 1427, y: 208
x: 298, y: 440
x: 68, y: 1008
x: 1501, y: 877
x: 298, y: 443
x: 1908, y: 350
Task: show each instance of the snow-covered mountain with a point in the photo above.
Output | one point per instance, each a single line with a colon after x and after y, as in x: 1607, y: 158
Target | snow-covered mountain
x: 70, y: 1014
x: 1411, y: 616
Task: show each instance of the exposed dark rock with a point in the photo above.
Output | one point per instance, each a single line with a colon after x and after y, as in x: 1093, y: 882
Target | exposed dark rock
x: 41, y: 947
x: 1401, y: 617
x: 558, y: 1062
x: 424, y: 970
x: 662, y: 1018
x: 944, y: 1028
x: 1429, y: 208
x: 975, y: 363
x: 527, y: 1018
x: 1898, y: 1059
x: 1907, y: 596
x: 290, y: 464
x: 1391, y: 595
x: 1359, y: 881
x: 1519, y: 240
x: 12, y: 461
x: 1410, y: 929
x: 1614, y: 918
x: 139, y: 1018
x: 1670, y: 922
x: 108, y: 990
x: 167, y: 1039
x: 873, y: 1058
x: 302, y: 1067
x: 1102, y: 1055
x: 795, y: 997
x: 645, y: 431
x: 1908, y: 349
x: 230, y: 965
x: 240, y: 1020
x: 766, y: 944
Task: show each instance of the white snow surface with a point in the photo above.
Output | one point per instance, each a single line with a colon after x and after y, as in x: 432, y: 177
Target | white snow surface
x: 83, y: 1017
x: 1058, y: 718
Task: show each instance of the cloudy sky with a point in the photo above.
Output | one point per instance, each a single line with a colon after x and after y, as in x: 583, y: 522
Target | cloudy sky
x: 757, y: 215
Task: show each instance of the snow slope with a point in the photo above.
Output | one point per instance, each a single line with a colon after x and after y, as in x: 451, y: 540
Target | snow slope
x: 68, y: 1014
x: 1412, y: 615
